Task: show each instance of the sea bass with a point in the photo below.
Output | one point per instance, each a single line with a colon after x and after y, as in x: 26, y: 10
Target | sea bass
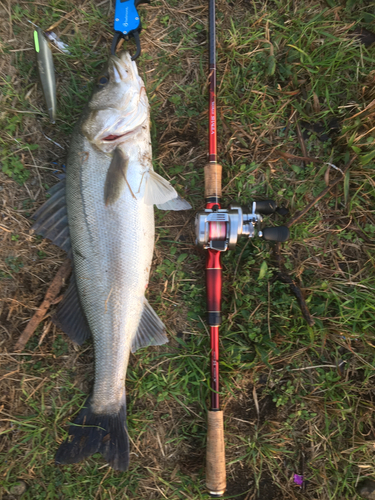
x: 102, y: 215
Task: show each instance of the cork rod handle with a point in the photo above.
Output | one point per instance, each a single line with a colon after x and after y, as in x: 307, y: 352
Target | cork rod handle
x: 212, y: 180
x: 215, y: 455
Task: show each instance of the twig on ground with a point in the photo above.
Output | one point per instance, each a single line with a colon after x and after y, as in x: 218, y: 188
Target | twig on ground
x: 63, y: 18
x: 301, y: 142
x: 53, y: 291
x: 284, y: 277
x: 288, y: 156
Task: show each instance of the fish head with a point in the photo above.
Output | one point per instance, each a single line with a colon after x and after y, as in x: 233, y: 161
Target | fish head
x: 118, y: 108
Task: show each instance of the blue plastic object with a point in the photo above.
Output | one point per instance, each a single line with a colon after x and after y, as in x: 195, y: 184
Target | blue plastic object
x: 126, y: 17
x: 127, y: 23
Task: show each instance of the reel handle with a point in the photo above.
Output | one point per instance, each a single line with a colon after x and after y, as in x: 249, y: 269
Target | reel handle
x: 265, y: 207
x: 280, y: 233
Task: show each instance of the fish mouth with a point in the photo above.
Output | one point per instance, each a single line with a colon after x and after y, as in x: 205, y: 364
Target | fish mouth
x: 113, y: 137
x: 122, y: 67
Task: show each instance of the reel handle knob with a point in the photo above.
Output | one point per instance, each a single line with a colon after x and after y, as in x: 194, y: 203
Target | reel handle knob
x: 265, y: 207
x: 280, y: 233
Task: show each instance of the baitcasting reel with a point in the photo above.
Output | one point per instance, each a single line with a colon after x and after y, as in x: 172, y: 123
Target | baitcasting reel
x: 219, y: 229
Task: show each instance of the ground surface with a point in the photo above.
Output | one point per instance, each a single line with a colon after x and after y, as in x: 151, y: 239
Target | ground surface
x: 295, y: 79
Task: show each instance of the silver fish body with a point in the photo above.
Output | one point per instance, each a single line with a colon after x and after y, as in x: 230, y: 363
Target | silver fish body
x: 110, y: 192
x: 112, y: 247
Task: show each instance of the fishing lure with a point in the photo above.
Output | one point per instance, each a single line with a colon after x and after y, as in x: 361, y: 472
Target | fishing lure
x: 46, y: 71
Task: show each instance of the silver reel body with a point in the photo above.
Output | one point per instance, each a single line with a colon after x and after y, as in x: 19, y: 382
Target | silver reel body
x: 219, y: 229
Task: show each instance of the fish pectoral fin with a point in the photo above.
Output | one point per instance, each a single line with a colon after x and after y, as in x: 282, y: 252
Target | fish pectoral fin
x: 161, y: 193
x: 158, y: 190
x: 116, y: 181
x: 51, y: 219
x: 151, y: 330
x: 175, y: 204
x: 70, y: 316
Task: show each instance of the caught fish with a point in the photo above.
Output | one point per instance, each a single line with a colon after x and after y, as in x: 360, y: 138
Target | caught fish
x: 102, y: 215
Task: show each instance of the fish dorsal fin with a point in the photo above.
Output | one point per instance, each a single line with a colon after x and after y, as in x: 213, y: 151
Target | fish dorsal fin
x: 175, y: 204
x: 158, y: 190
x: 115, y: 181
x: 70, y: 316
x: 51, y: 219
x: 151, y: 330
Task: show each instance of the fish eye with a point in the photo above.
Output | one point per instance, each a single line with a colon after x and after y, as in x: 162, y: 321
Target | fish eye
x: 103, y: 80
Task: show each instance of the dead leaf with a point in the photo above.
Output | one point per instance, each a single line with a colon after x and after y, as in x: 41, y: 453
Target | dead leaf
x: 326, y: 175
x: 316, y: 105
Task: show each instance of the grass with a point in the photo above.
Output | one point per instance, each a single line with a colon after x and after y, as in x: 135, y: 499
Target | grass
x: 297, y: 399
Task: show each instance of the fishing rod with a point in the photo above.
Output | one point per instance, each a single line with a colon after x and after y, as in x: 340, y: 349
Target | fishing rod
x: 217, y: 230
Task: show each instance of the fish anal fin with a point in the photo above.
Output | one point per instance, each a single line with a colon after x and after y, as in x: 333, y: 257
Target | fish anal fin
x: 115, y: 181
x: 151, y: 330
x: 70, y: 316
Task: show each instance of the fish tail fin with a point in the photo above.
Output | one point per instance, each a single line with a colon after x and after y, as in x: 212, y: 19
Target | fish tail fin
x: 97, y: 433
